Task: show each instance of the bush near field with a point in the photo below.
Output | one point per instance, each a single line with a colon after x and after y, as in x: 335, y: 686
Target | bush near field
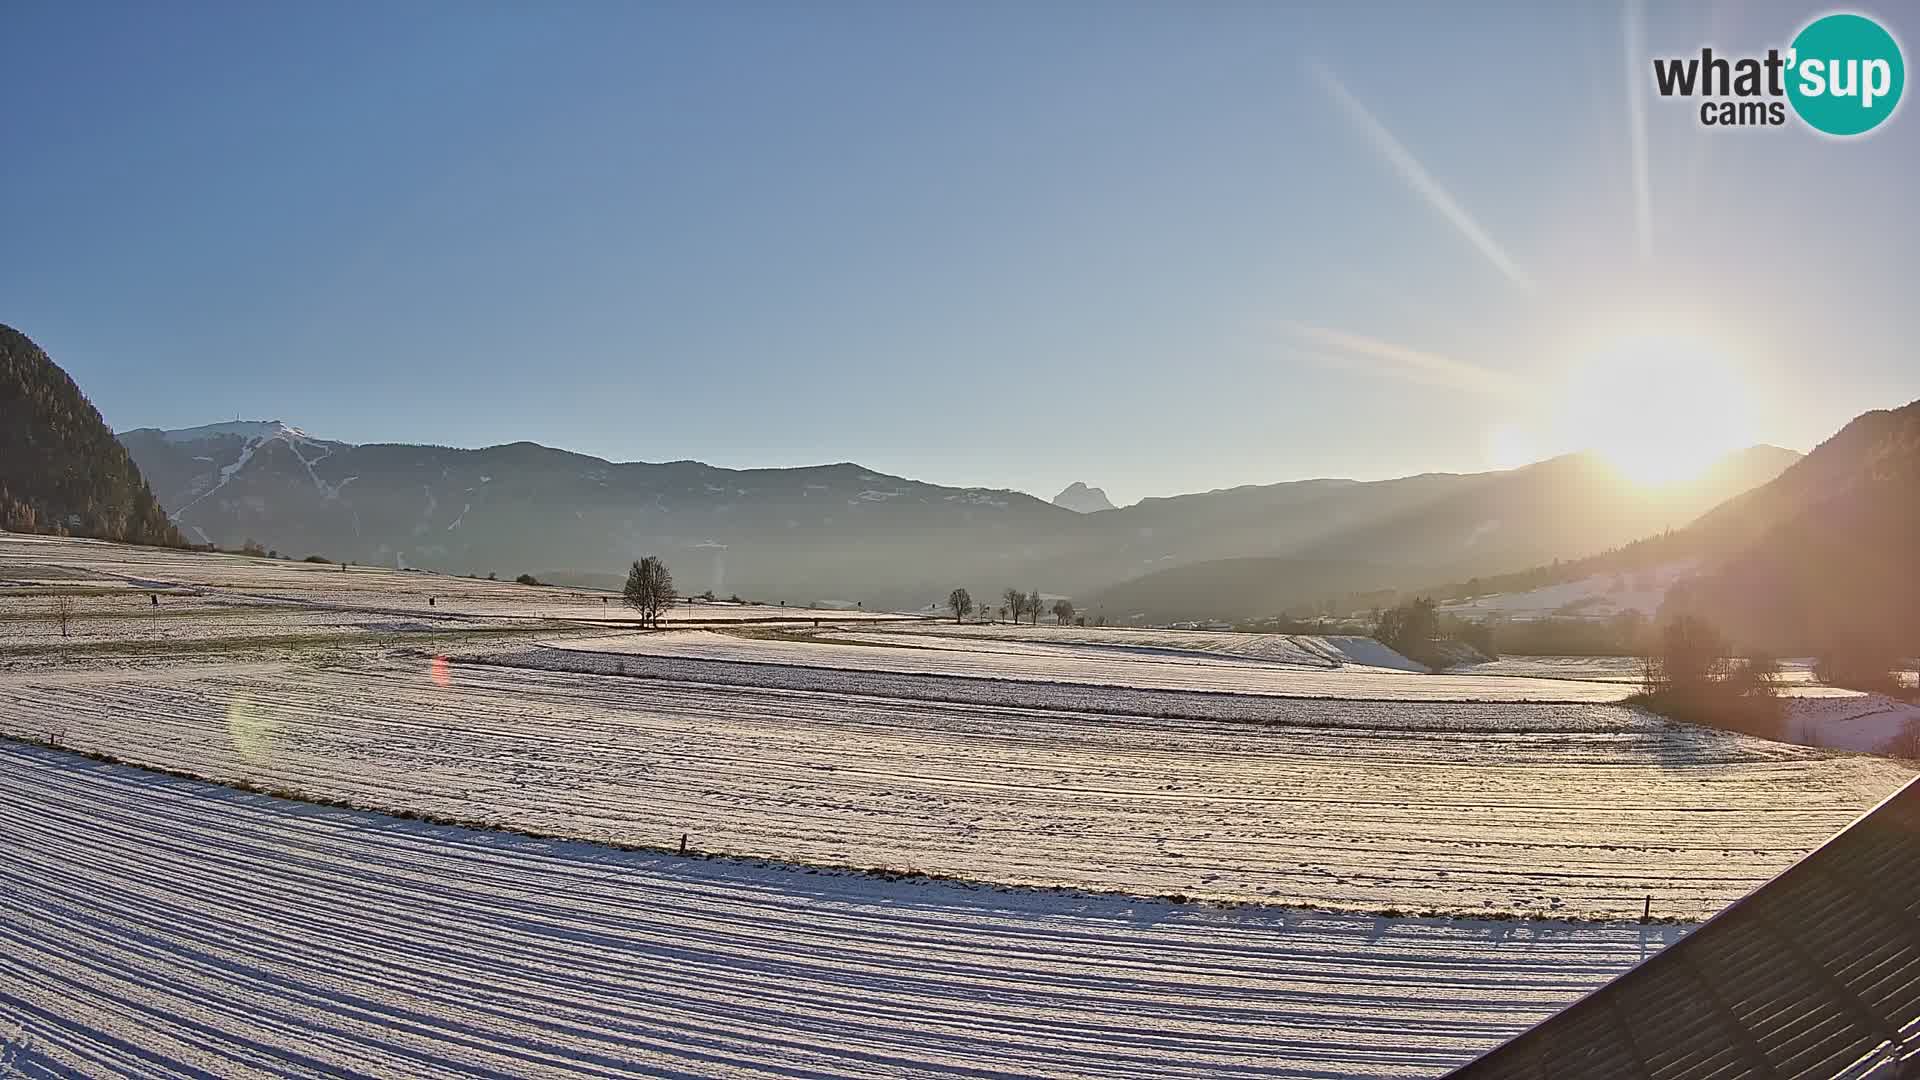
x: 1692, y: 676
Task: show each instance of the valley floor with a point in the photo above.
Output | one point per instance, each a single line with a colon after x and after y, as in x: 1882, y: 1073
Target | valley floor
x: 165, y: 928
x: 1462, y: 840
x: 1553, y: 810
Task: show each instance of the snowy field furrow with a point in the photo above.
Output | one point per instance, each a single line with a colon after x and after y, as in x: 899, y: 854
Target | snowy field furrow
x: 166, y: 928
x: 1560, y: 810
x: 1099, y: 668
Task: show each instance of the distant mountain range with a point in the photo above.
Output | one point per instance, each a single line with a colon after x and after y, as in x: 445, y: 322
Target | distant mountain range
x: 60, y: 469
x: 1446, y: 528
x: 846, y: 532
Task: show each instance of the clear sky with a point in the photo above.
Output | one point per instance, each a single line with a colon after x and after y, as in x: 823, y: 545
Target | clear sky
x: 1158, y: 248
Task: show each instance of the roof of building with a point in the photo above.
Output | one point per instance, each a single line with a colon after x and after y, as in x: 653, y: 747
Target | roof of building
x: 1814, y: 974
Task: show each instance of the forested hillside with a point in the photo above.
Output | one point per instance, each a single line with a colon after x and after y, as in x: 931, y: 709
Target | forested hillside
x: 61, y: 470
x: 1826, y: 555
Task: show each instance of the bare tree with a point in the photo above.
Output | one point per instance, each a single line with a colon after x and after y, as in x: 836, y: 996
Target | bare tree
x: 1016, y: 604
x: 649, y: 589
x: 1063, y: 612
x: 1033, y: 605
x: 63, y: 612
x: 1690, y: 656
x: 960, y: 602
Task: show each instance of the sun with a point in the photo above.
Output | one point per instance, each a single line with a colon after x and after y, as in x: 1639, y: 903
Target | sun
x: 1662, y: 407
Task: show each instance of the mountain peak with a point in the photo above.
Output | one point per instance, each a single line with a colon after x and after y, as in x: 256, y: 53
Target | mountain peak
x: 1081, y: 499
x: 251, y: 430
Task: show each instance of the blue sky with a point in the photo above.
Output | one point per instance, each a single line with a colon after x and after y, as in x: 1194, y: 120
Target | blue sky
x: 1158, y: 248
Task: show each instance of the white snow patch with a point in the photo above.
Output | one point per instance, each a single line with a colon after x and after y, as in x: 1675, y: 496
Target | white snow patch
x: 252, y: 430
x: 1873, y: 723
x: 226, y: 474
x: 1598, y: 596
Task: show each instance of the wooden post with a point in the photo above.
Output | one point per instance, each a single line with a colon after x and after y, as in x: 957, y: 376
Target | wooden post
x: 1646, y: 913
x: 683, y: 843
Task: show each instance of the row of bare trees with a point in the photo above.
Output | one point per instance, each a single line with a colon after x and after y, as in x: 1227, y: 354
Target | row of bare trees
x: 1015, y: 605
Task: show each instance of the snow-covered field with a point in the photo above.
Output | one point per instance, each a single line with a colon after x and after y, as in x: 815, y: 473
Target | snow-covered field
x: 130, y: 619
x: 1297, y: 650
x: 1614, y: 669
x: 1855, y: 721
x: 1795, y: 678
x: 35, y: 563
x: 162, y: 928
x: 899, y: 653
x: 1555, y: 809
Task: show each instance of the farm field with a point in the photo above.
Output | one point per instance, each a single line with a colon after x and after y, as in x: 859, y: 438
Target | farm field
x: 32, y: 565
x: 900, y: 653
x: 164, y: 928
x: 1573, y: 810
x: 129, y: 619
x: 1796, y: 674
x: 1108, y: 853
x: 1300, y: 650
x: 1614, y: 669
x: 1288, y: 653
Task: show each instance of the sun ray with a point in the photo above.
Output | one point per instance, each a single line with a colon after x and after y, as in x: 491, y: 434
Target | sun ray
x: 1634, y: 20
x: 1404, y: 362
x: 1418, y: 178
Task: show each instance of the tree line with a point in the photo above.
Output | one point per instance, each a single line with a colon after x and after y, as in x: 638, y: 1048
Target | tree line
x: 1014, y: 606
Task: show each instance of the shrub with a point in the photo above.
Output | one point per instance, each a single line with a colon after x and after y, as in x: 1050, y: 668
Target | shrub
x: 1858, y: 663
x: 1411, y: 630
x: 527, y: 579
x: 1688, y: 676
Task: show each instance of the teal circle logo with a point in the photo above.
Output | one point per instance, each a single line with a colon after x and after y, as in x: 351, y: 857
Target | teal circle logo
x: 1845, y: 74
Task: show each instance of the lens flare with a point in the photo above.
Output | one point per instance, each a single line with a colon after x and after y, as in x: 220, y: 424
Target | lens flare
x: 252, y: 732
